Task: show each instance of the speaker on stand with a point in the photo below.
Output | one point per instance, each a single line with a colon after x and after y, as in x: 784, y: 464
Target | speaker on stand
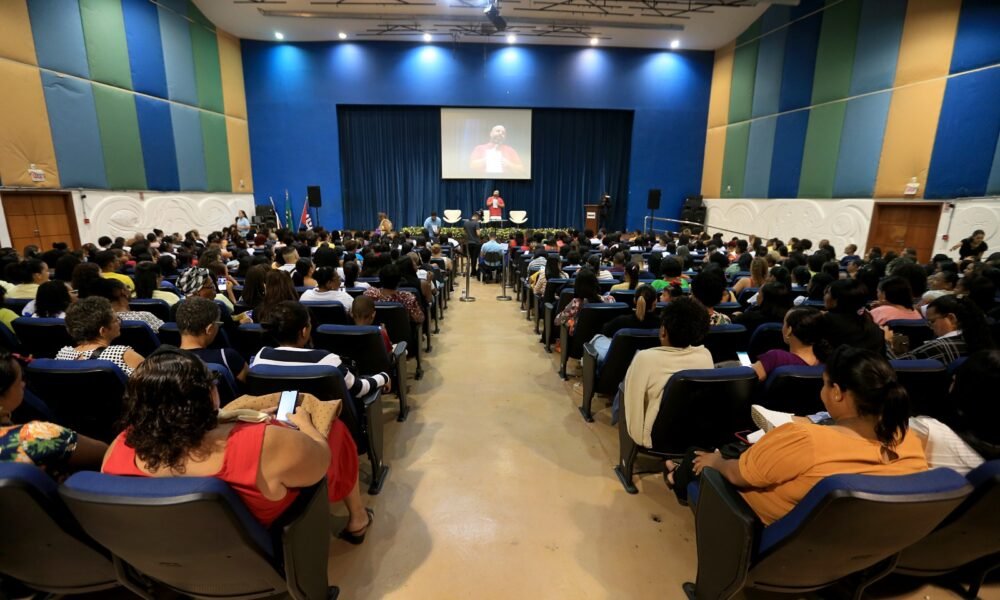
x: 315, y: 201
x: 694, y: 210
x: 653, y: 204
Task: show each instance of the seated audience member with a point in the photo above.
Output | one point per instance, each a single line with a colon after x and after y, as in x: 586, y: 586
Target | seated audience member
x: 802, y: 332
x: 850, y: 255
x: 594, y: 262
x: 775, y: 300
x: 436, y: 254
x: 709, y: 288
x: 816, y: 289
x: 631, y: 278
x: 147, y: 283
x: 671, y: 273
x: 302, y: 276
x: 253, y: 286
x: 198, y: 282
x: 846, y: 320
x: 278, y: 288
x: 684, y: 323
x: 895, y: 301
x: 86, y: 277
x: 552, y: 270
x: 539, y: 258
x: 585, y: 289
x: 758, y: 275
x: 389, y: 277
x: 225, y: 284
x: 198, y: 323
x: 363, y: 313
x: 939, y: 284
x: 328, y: 289
x: 643, y: 317
x: 869, y: 436
x: 109, y: 264
x: 118, y: 295
x: 172, y: 429
x: 52, y: 300
x: 53, y: 448
x: 33, y: 273
x: 960, y: 327
x: 290, y: 326
x: 288, y: 256
x: 352, y: 270
x: 93, y: 325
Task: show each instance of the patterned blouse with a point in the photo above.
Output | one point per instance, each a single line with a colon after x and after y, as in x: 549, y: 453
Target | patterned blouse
x: 46, y: 445
x: 405, y: 298
x: 115, y: 354
x: 141, y: 315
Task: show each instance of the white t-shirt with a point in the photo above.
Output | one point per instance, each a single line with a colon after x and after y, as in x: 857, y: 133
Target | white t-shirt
x: 314, y: 295
x: 943, y: 447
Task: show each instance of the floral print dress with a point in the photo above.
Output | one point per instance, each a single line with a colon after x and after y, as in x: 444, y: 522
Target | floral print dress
x: 46, y: 445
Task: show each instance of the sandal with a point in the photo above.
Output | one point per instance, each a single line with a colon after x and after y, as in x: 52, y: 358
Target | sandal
x: 668, y: 473
x: 357, y: 537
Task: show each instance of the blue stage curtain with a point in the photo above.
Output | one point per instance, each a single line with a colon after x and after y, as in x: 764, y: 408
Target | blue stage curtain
x: 390, y: 160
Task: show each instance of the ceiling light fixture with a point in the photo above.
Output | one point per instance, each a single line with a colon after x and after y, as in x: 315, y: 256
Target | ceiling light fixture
x: 675, y: 44
x: 278, y: 35
x: 593, y: 41
x: 428, y: 37
x: 511, y: 38
x: 342, y: 35
x: 492, y: 12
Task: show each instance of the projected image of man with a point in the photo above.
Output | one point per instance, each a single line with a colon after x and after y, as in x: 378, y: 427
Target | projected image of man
x: 496, y: 156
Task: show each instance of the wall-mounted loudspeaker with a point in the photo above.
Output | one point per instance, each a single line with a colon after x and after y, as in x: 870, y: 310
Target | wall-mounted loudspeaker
x: 653, y: 202
x: 315, y: 200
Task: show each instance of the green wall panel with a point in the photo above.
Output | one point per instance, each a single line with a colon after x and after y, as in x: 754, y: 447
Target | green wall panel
x: 751, y: 32
x: 744, y: 73
x: 734, y: 160
x: 119, y: 126
x: 198, y: 17
x: 104, y: 36
x: 213, y: 133
x: 207, y: 73
x: 835, y: 54
x: 822, y: 147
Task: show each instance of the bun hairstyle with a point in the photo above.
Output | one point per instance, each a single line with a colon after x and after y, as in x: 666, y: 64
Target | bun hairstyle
x: 877, y: 392
x: 645, y: 301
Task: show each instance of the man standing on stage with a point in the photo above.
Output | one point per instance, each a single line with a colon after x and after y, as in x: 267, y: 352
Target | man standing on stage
x: 432, y: 226
x: 495, y: 157
x: 472, y: 241
x: 495, y: 205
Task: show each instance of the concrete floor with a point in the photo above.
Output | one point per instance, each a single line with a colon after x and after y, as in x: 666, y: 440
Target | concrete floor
x: 499, y: 489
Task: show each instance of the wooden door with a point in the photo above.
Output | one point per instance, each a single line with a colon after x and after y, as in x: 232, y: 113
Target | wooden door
x: 899, y: 225
x: 40, y: 219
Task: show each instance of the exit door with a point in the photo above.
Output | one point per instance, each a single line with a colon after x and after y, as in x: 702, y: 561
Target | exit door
x: 899, y: 225
x: 40, y: 219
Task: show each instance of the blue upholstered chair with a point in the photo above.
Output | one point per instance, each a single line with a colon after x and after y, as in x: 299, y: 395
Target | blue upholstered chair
x: 194, y: 536
x: 606, y: 379
x: 724, y: 341
x: 400, y: 329
x: 916, y: 329
x: 589, y: 322
x: 327, y: 313
x: 84, y: 395
x: 227, y: 387
x: 139, y: 335
x: 159, y: 308
x: 926, y: 383
x: 767, y: 336
x: 42, y: 337
x: 793, y: 389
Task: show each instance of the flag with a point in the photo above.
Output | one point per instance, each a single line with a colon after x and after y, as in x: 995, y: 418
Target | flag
x: 288, y: 211
x: 277, y: 218
x: 305, y: 220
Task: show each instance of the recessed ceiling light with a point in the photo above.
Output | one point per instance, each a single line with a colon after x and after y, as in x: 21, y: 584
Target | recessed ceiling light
x: 675, y: 44
x: 593, y: 41
x: 278, y: 35
x: 342, y: 35
x: 511, y: 38
x: 428, y: 37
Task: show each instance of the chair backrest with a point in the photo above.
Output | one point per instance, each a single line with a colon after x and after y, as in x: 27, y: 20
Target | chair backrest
x: 43, y: 337
x: 745, y: 295
x: 494, y: 258
x: 139, y: 335
x: 159, y: 308
x: 84, y: 395
x: 193, y: 534
x: 361, y: 343
x: 916, y: 329
x: 624, y: 345
x: 553, y: 287
x: 16, y: 304
x: 228, y: 390
x: 590, y: 321
x: 728, y: 308
x: 704, y: 408
x: 43, y: 546
x: 518, y: 216
x: 170, y: 334
x: 793, y: 389
x: 858, y: 521
x: 327, y: 313
x: 250, y: 338
x: 767, y: 336
x: 926, y: 383
x: 626, y: 296
x: 396, y: 320
x: 452, y: 216
x: 9, y: 341
x: 724, y: 341
x: 969, y: 533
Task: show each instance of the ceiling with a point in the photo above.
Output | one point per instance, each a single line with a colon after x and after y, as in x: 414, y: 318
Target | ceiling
x: 695, y: 25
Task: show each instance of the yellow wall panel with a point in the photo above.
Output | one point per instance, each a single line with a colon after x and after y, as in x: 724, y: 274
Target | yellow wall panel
x: 909, y: 137
x: 231, y: 65
x: 25, y: 137
x: 16, y: 42
x: 928, y: 40
x: 238, y: 137
x: 722, y: 77
x: 715, y: 150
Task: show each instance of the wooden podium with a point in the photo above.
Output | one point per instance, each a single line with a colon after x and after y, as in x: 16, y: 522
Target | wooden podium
x: 590, y: 213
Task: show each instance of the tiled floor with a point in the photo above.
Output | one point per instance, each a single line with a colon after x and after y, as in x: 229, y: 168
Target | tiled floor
x: 499, y: 489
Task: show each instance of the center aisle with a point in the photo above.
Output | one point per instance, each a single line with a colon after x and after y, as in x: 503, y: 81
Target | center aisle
x: 499, y: 489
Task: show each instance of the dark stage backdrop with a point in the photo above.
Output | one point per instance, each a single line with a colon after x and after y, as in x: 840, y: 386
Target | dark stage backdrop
x: 391, y: 161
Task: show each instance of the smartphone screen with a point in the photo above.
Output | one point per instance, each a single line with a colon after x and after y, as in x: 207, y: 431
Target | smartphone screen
x: 286, y: 406
x: 221, y: 284
x: 744, y: 358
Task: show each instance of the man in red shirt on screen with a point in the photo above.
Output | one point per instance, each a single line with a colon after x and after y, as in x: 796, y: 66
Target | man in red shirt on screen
x: 495, y: 157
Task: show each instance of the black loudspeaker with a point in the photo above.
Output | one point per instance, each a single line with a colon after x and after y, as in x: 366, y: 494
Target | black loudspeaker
x: 315, y: 200
x: 653, y: 203
x: 692, y: 202
x: 264, y: 211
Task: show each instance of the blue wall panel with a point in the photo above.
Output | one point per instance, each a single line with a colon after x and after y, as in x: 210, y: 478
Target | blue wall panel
x: 805, y: 7
x: 145, y: 49
x: 756, y: 180
x: 966, y: 136
x: 293, y: 90
x: 75, y: 135
x: 767, y: 81
x: 861, y: 145
x: 178, y: 57
x: 786, y: 160
x: 58, y: 31
x: 157, y: 134
x: 800, y: 63
x: 190, y: 150
x: 977, y: 41
x: 993, y: 186
x: 774, y: 17
x: 879, y: 33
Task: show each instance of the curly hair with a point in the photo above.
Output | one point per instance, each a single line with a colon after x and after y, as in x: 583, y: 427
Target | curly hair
x: 86, y: 317
x: 168, y: 408
x: 686, y: 321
